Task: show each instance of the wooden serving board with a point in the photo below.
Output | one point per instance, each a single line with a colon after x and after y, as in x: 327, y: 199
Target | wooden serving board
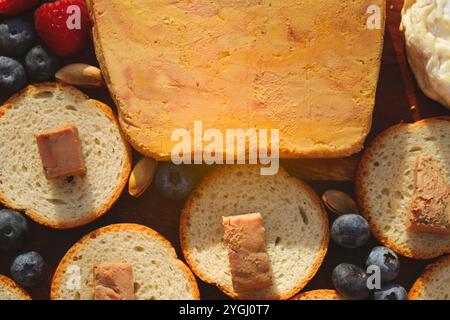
x: 397, y: 92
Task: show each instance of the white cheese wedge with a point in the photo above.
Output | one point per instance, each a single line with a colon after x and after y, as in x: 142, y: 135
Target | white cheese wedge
x: 426, y: 24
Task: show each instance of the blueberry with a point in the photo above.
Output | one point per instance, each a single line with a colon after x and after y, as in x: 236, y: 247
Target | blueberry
x: 13, y: 230
x: 386, y: 260
x: 390, y: 292
x: 41, y: 64
x: 16, y: 37
x: 350, y: 281
x: 12, y: 76
x: 28, y: 269
x: 174, y: 182
x: 350, y: 231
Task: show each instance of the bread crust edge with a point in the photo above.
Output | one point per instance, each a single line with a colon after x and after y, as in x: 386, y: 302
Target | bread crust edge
x: 420, y: 283
x: 13, y: 286
x: 320, y: 294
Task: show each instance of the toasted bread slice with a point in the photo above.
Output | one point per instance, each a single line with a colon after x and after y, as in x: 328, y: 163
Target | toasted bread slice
x: 158, y: 274
x: 296, y: 228
x: 61, y: 202
x: 386, y: 179
x: 9, y: 290
x: 323, y: 294
x: 434, y: 283
x: 307, y: 68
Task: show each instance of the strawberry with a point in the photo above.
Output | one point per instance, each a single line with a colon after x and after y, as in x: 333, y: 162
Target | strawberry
x: 64, y: 30
x: 16, y: 6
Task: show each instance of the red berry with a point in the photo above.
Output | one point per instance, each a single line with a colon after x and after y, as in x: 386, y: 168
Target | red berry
x: 16, y: 6
x: 63, y: 28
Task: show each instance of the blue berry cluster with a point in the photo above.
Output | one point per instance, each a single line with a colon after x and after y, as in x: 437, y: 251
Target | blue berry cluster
x: 22, y: 58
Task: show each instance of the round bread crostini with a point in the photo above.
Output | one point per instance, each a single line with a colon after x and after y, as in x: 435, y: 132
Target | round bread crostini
x: 158, y: 273
x: 9, y: 290
x: 295, y: 222
x: 322, y: 294
x: 63, y: 202
x: 385, y: 184
x: 433, y: 283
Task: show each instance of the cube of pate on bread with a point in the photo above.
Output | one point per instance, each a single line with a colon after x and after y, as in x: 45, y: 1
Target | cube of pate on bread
x: 387, y: 190
x: 60, y: 151
x: 114, y: 281
x: 91, y: 151
x: 296, y: 229
x: 306, y: 68
x: 142, y: 266
x: 430, y: 211
x: 244, y: 236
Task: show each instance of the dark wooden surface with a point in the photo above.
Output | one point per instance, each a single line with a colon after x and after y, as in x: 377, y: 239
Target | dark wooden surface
x: 397, y: 92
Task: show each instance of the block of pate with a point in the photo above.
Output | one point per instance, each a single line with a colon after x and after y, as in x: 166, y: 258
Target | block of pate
x: 307, y: 68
